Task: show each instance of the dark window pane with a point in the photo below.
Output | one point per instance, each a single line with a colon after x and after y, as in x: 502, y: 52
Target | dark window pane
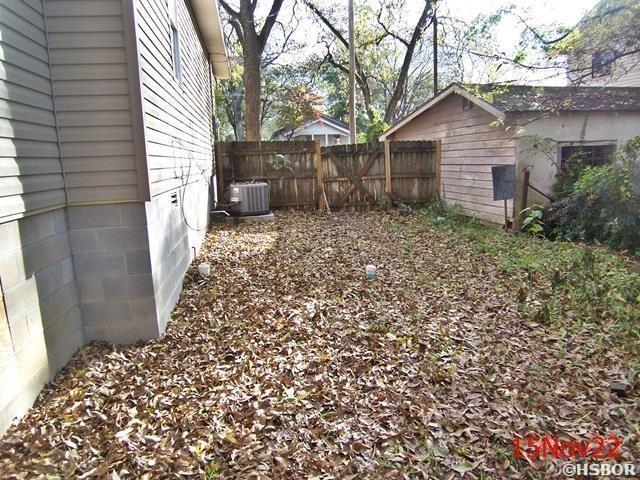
x: 602, y: 63
x: 175, y: 43
x: 586, y: 154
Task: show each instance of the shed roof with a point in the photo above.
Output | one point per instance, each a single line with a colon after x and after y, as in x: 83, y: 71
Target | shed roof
x: 502, y: 99
x: 527, y: 98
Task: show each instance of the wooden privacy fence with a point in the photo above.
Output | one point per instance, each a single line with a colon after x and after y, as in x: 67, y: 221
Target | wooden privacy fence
x: 305, y: 175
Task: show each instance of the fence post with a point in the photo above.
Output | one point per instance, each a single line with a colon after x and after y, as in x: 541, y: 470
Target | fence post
x: 387, y: 174
x: 319, y: 175
x: 521, y: 200
x: 439, y: 170
x: 220, y: 172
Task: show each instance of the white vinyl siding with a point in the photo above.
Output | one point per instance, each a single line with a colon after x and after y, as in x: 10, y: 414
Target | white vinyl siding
x: 471, y: 145
x: 88, y: 58
x: 30, y: 170
x: 178, y: 114
x: 624, y: 72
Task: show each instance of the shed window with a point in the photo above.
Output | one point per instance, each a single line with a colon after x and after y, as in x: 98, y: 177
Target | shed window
x: 601, y: 63
x: 586, y: 154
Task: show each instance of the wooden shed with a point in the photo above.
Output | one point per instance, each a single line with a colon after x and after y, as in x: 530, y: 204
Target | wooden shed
x: 534, y: 128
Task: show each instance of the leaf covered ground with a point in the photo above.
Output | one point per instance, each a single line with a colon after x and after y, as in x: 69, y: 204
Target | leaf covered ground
x: 287, y: 363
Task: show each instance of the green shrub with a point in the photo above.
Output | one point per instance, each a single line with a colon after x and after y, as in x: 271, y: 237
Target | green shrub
x: 376, y: 127
x: 567, y: 178
x: 603, y: 205
x: 589, y: 286
x: 532, y: 222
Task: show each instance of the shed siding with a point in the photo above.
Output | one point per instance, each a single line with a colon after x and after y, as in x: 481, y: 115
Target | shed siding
x: 470, y: 147
x: 88, y: 62
x: 30, y: 171
x: 177, y: 114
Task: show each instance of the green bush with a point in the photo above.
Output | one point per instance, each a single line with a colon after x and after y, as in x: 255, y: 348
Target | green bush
x: 603, y: 205
x: 568, y: 177
x: 532, y: 222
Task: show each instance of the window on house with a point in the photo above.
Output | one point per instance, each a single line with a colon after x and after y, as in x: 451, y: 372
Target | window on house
x: 175, y: 40
x: 175, y: 49
x: 601, y: 63
x: 586, y: 154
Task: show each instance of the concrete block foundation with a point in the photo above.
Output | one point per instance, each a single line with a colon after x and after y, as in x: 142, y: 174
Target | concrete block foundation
x: 40, y: 318
x: 100, y: 272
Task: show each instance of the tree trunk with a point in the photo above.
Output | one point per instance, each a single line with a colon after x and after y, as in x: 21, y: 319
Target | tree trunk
x: 252, y: 90
x: 253, y: 45
x: 237, y: 117
x: 251, y: 54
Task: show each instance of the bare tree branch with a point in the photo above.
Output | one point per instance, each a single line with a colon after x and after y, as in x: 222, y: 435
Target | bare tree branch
x: 229, y: 9
x: 268, y: 24
x: 401, y: 82
x: 388, y: 32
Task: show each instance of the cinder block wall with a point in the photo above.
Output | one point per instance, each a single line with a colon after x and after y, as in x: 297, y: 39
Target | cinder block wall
x: 110, y: 247
x: 82, y: 273
x: 130, y: 260
x: 177, y: 225
x: 40, y: 319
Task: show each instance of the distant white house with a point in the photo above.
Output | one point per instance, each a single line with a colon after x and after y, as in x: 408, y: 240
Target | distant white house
x: 324, y: 128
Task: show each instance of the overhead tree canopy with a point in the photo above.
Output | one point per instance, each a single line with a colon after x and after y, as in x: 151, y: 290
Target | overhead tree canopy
x: 371, y: 43
x: 394, y: 57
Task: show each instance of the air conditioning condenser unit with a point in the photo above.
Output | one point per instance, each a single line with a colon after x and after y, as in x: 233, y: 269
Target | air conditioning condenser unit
x: 249, y: 198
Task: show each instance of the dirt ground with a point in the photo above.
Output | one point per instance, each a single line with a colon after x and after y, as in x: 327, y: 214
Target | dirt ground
x: 287, y: 363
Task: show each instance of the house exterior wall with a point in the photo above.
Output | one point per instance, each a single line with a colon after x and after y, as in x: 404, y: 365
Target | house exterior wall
x: 625, y: 72
x: 40, y: 318
x: 176, y: 228
x: 110, y: 247
x: 471, y: 145
x: 324, y: 139
x: 88, y: 254
x: 31, y: 177
x: 178, y: 117
x: 321, y: 131
x: 177, y: 113
x: 92, y: 99
x: 540, y: 136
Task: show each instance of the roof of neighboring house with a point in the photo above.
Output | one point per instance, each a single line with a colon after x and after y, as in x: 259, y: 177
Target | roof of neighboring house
x: 322, y: 118
x: 208, y: 19
x: 502, y: 99
x: 334, y: 122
